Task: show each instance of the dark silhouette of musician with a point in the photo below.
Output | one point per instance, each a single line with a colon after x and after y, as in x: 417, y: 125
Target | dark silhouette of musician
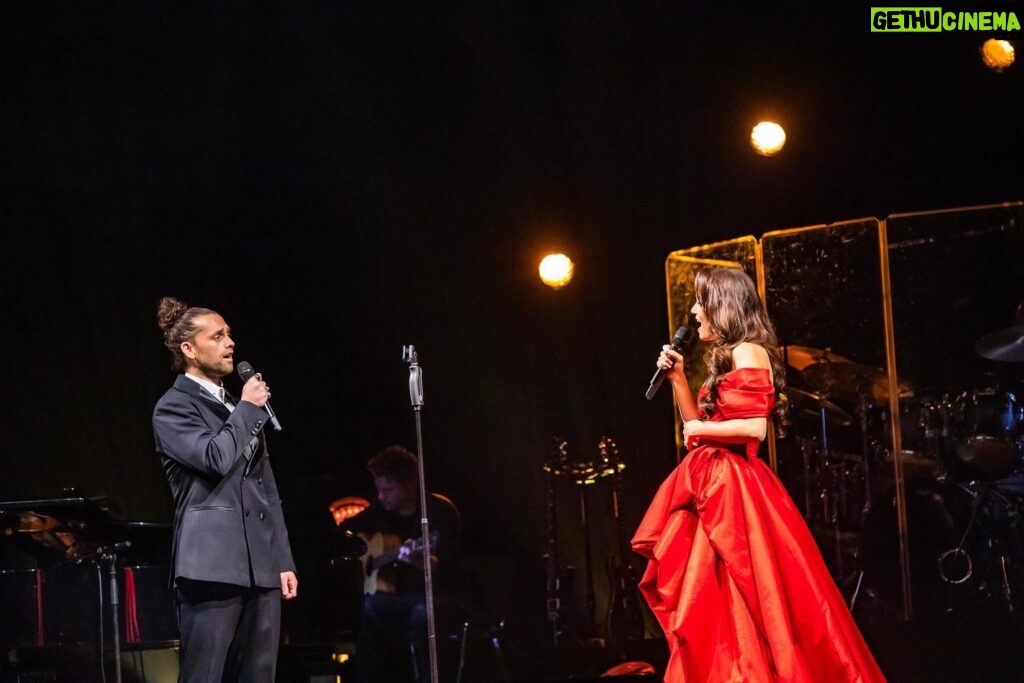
x: 393, y: 630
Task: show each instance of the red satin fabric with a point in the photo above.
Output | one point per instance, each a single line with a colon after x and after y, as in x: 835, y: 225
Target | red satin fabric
x: 735, y: 577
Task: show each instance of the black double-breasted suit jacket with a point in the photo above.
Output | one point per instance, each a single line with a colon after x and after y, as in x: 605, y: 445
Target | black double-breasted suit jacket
x: 228, y: 523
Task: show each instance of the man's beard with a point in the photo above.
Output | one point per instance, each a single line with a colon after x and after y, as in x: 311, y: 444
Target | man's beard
x: 220, y: 368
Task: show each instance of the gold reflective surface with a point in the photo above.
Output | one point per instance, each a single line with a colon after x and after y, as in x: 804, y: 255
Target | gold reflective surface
x: 680, y: 268
x: 900, y: 337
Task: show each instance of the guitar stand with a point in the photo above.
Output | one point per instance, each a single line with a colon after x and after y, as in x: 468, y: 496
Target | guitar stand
x: 581, y: 484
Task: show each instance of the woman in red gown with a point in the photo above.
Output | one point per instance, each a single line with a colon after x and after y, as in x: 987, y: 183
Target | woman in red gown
x: 734, y: 576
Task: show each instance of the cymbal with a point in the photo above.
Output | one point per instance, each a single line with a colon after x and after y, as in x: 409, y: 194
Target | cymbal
x: 32, y: 523
x: 807, y: 404
x: 1005, y: 345
x: 799, y: 357
x: 27, y: 523
x: 915, y: 465
x: 849, y: 380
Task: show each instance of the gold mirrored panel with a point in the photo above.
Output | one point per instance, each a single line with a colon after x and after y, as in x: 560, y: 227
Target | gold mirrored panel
x: 680, y: 269
x: 823, y: 291
x: 904, y: 347
x: 957, y: 281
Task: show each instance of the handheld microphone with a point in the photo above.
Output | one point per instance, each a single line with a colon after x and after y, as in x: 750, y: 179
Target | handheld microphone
x: 245, y: 371
x: 684, y: 335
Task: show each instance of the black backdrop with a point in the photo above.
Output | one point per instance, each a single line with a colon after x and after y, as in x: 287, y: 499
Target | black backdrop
x: 341, y: 179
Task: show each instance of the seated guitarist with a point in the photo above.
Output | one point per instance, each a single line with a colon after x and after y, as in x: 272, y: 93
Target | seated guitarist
x: 394, y: 609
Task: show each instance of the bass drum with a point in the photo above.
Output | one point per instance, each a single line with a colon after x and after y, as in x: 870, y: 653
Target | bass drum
x: 932, y: 531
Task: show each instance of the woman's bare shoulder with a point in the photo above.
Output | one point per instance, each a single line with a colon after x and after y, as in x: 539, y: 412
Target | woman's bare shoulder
x: 750, y: 355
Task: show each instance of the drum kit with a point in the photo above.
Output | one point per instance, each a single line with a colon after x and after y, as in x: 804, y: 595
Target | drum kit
x: 962, y: 456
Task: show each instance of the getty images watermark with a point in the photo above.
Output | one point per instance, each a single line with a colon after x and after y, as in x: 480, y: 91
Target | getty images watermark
x: 1003, y: 22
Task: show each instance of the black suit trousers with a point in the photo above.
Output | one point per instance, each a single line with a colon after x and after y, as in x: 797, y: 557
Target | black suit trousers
x: 228, y: 633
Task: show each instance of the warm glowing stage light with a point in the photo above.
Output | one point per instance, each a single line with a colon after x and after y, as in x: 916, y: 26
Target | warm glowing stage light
x: 347, y: 507
x: 997, y: 54
x: 556, y: 270
x: 767, y: 138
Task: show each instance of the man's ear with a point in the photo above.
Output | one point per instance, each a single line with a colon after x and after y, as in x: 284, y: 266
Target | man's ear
x: 188, y: 350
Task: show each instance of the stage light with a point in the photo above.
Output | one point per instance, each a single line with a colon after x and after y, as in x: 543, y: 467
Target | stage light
x: 347, y: 507
x: 997, y: 54
x: 767, y: 138
x: 556, y: 270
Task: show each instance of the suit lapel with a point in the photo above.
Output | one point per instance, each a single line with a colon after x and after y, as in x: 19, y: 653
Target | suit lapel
x: 257, y: 446
x: 192, y: 388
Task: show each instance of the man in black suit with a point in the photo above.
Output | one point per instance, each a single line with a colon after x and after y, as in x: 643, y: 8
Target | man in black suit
x: 231, y: 561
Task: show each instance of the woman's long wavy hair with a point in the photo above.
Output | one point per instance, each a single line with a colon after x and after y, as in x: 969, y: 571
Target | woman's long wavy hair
x: 736, y: 315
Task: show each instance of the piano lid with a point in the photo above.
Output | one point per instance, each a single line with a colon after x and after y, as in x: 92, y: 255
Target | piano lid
x: 58, y: 530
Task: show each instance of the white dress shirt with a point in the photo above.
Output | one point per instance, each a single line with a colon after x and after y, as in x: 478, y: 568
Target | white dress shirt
x: 215, y: 390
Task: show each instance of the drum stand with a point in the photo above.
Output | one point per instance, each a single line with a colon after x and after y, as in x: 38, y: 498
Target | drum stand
x: 857, y: 577
x: 865, y: 445
x: 834, y: 493
x: 956, y: 565
x: 834, y: 485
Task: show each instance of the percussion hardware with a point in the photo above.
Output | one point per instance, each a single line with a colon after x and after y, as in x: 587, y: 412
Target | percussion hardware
x: 805, y: 453
x: 958, y: 551
x: 809, y: 404
x: 981, y: 494
x: 834, y: 472
x: 800, y: 357
x: 1005, y: 575
x: 945, y: 572
x: 829, y: 509
x: 915, y: 465
x: 848, y: 380
x: 928, y: 427
x: 1005, y: 345
x: 865, y: 445
x: 989, y: 445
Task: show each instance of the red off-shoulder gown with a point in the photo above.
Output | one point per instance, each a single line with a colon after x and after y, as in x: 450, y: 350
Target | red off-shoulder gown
x: 734, y: 577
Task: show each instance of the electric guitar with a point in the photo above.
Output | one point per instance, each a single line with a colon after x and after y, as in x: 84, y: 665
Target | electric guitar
x: 385, y: 550
x: 625, y: 620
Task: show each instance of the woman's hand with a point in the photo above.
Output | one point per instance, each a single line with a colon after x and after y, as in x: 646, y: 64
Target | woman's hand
x: 672, y: 363
x: 692, y: 429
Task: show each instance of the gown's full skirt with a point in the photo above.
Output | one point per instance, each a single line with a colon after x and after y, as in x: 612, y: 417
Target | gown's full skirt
x: 734, y: 576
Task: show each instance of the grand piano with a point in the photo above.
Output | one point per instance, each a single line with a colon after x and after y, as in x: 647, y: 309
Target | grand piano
x: 55, y: 586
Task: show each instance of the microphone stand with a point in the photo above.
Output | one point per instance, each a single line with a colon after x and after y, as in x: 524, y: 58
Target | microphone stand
x: 108, y: 554
x: 410, y: 356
